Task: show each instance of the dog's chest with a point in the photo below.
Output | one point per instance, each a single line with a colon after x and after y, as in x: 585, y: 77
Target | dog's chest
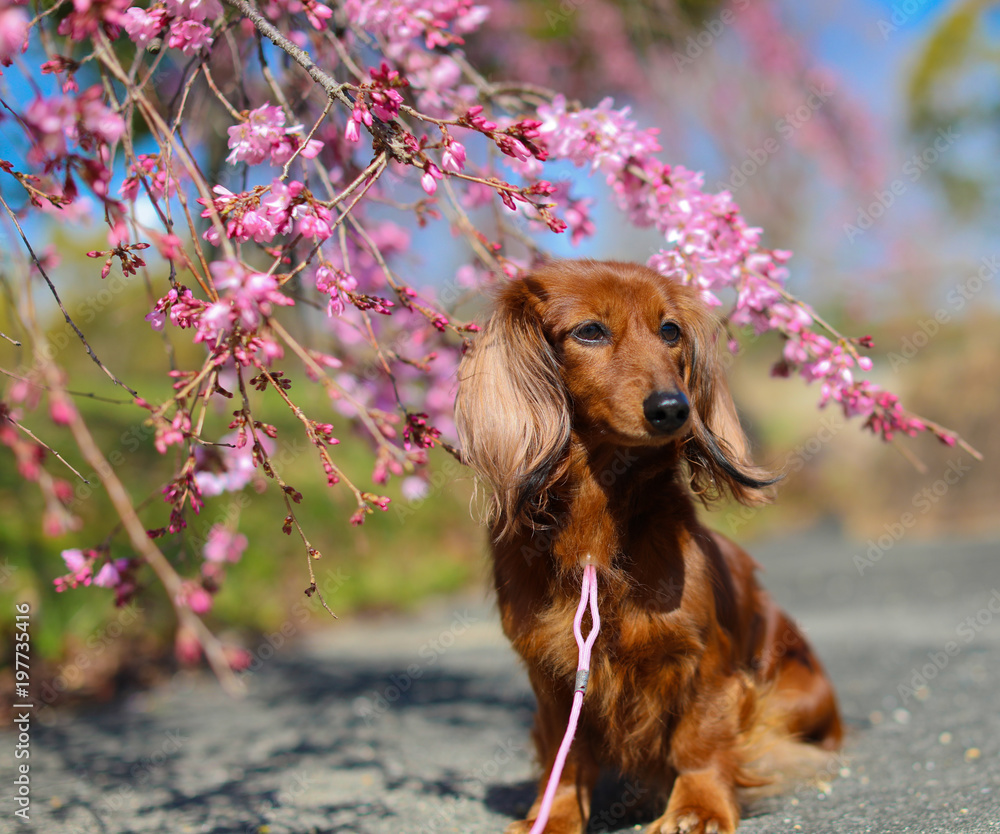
x: 639, y: 643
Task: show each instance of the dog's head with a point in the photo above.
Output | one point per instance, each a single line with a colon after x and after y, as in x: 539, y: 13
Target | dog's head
x: 613, y: 351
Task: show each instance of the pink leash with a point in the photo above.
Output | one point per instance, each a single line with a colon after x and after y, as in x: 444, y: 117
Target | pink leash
x: 587, y: 592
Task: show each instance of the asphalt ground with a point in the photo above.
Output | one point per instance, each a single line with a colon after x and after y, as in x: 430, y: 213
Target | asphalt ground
x: 421, y: 724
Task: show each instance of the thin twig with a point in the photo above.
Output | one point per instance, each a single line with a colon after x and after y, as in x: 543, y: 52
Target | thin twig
x: 86, y: 394
x: 268, y: 467
x: 218, y: 94
x: 940, y: 430
x: 913, y: 460
x: 300, y: 56
x: 358, y: 180
x: 150, y: 553
x: 166, y: 138
x: 307, y: 140
x: 383, y: 164
x: 44, y: 445
x: 52, y: 289
x: 332, y: 386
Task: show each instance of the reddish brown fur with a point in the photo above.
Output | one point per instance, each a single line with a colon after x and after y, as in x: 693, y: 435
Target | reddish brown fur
x: 693, y: 659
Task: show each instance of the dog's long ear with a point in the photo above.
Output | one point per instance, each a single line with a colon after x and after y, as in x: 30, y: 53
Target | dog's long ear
x: 512, y: 411
x: 718, y: 451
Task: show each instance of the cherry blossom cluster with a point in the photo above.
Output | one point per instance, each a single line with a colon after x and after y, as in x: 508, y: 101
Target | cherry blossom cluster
x: 710, y: 246
x: 95, y: 567
x: 222, y: 547
x: 151, y: 169
x: 295, y: 154
x: 229, y: 325
x: 263, y: 135
x: 265, y: 212
x: 186, y: 23
x: 72, y: 132
x: 439, y: 23
x: 57, y: 519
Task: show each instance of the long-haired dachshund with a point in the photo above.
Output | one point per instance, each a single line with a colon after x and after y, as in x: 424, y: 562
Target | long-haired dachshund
x: 595, y: 407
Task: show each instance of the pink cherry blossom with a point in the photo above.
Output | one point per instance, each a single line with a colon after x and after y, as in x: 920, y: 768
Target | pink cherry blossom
x: 429, y: 180
x: 198, y: 10
x: 263, y: 134
x: 61, y: 411
x: 13, y: 33
x: 156, y: 319
x: 75, y: 560
x: 81, y: 569
x: 198, y: 599
x: 223, y: 545
x: 112, y: 573
x: 142, y: 25
x: 453, y: 157
x: 249, y: 296
x: 352, y: 133
x: 251, y: 140
x: 189, y: 36
x: 87, y: 16
x: 317, y: 13
x: 290, y: 143
x: 227, y: 467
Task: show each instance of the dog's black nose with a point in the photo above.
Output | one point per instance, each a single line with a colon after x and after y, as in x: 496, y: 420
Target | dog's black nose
x: 666, y: 411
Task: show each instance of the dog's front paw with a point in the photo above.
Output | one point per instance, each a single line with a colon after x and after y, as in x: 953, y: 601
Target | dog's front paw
x: 702, y: 802
x: 692, y: 821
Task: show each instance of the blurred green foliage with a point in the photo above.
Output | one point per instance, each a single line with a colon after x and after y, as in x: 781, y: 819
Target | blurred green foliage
x: 954, y: 85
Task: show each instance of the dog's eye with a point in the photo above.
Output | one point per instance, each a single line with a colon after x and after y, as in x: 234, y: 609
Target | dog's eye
x: 670, y: 332
x: 591, y: 332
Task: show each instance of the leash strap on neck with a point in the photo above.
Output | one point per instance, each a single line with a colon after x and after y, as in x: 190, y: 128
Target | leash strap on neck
x: 588, y: 594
